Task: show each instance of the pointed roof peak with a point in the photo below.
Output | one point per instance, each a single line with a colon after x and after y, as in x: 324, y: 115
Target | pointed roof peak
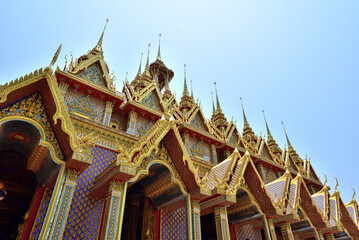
x: 268, y: 131
x: 353, y: 193
x: 326, y: 179
x: 148, y: 57
x: 159, y: 47
x: 139, y: 68
x: 289, y: 144
x: 214, y: 109
x: 99, y: 43
x: 185, y: 89
x: 244, y: 114
x: 218, y: 105
x: 337, y: 184
x: 191, y: 90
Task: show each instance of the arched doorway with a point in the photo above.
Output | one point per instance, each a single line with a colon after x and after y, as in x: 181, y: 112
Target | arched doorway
x: 19, y: 148
x: 153, y: 202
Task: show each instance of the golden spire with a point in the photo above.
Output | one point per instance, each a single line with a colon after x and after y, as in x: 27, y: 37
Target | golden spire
x: 214, y: 109
x: 246, y: 124
x: 146, y: 73
x: 268, y: 132
x: 191, y: 90
x: 99, y: 44
x: 218, y: 106
x: 185, y: 90
x: 159, y: 47
x: 289, y: 145
x: 326, y: 179
x: 139, y: 68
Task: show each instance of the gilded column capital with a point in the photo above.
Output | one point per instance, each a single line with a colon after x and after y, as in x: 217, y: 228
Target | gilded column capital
x: 222, y: 227
x: 71, y: 175
x: 286, y: 230
x: 196, y: 219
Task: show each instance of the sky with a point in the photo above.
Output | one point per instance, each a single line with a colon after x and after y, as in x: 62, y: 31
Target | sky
x: 297, y: 60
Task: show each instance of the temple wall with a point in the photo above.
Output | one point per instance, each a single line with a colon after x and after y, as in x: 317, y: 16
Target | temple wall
x: 174, y: 224
x: 85, y: 214
x: 71, y: 95
x: 247, y: 232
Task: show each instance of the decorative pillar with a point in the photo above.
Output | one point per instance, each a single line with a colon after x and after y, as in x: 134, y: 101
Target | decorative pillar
x: 131, y: 122
x: 320, y: 236
x: 271, y: 229
x: 286, y: 230
x: 64, y: 203
x: 196, y: 219
x: 214, y: 154
x: 222, y: 228
x: 107, y: 113
x: 114, y: 210
x: 63, y: 88
x: 185, y: 138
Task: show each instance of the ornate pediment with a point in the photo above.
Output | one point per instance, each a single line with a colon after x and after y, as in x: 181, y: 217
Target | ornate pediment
x: 93, y: 74
x: 83, y: 107
x: 197, y: 122
x: 152, y: 102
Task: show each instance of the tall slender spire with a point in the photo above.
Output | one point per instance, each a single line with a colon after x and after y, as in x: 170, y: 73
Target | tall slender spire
x: 218, y: 106
x: 139, y: 68
x: 99, y: 44
x: 191, y: 90
x: 244, y: 114
x: 185, y: 89
x: 289, y: 145
x: 214, y: 109
x: 265, y: 120
x: 159, y: 47
x: 148, y: 57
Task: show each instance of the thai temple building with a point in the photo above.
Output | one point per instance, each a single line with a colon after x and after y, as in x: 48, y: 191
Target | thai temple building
x: 81, y: 159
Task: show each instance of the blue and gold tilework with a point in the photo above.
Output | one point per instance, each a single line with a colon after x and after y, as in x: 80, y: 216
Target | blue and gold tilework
x: 85, y: 213
x: 236, y: 174
x: 173, y: 224
x: 292, y: 197
x: 152, y: 102
x: 319, y: 201
x: 40, y: 217
x: 142, y: 130
x: 247, y: 232
x: 352, y: 212
x: 196, y: 122
x: 93, y: 74
x: 219, y: 171
x: 276, y: 189
x: 333, y: 212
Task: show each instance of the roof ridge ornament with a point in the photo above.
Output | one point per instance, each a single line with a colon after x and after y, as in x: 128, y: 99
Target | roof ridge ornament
x: 353, y: 193
x: 337, y: 183
x: 139, y: 68
x: 244, y: 114
x: 265, y: 120
x: 185, y: 89
x: 49, y: 68
x: 98, y: 46
x: 214, y: 109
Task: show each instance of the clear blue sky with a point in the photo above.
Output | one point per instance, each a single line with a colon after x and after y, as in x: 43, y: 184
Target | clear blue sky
x: 297, y: 60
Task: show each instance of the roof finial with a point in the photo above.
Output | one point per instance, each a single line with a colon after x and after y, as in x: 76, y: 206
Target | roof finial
x: 214, y: 109
x: 191, y: 90
x: 185, y: 90
x: 148, y: 57
x: 159, y: 47
x: 337, y: 184
x: 326, y: 179
x: 99, y: 44
x: 265, y: 120
x: 49, y: 68
x: 289, y: 145
x: 139, y: 68
x: 244, y: 115
x: 218, y: 106
x: 353, y: 193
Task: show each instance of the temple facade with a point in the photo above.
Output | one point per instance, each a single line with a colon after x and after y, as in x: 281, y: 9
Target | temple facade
x: 81, y: 159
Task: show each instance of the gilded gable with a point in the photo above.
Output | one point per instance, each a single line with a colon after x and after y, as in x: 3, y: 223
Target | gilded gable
x: 93, y: 74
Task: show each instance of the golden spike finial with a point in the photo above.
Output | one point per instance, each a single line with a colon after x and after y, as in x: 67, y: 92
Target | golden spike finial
x: 286, y: 135
x: 244, y: 115
x: 49, y: 68
x: 185, y: 90
x: 148, y: 57
x: 126, y: 78
x: 99, y: 44
x: 191, y: 89
x: 139, y: 68
x: 218, y: 106
x: 353, y: 193
x: 214, y: 109
x: 326, y: 179
x: 159, y: 47
x: 337, y: 184
x: 265, y: 120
